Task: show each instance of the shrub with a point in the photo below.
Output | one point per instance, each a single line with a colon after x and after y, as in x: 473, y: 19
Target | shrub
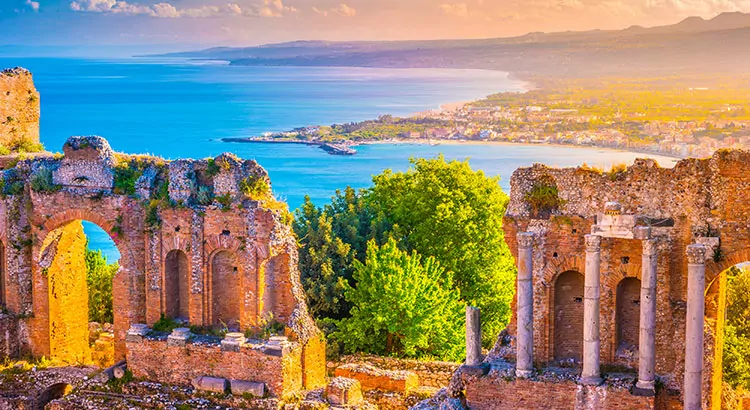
x: 543, y: 198
x: 125, y: 179
x: 99, y: 276
x: 255, y: 188
x: 153, y: 219
x: 165, y: 324
x: 42, y: 182
x: 404, y: 306
x: 204, y: 195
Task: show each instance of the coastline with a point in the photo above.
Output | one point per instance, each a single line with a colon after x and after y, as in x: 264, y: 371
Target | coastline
x: 509, y: 143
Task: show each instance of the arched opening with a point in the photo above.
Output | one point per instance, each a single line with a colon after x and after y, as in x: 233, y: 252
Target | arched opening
x: 54, y: 392
x: 728, y: 303
x: 79, y: 293
x: 176, y: 285
x: 628, y: 315
x: 568, y: 317
x: 225, y: 290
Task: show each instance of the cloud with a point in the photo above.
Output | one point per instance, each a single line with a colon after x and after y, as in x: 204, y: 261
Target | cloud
x: 455, y: 9
x: 343, y: 10
x: 266, y: 8
x: 33, y: 4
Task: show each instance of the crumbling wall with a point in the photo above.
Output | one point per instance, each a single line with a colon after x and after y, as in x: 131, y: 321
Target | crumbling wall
x: 19, y: 107
x: 697, y: 198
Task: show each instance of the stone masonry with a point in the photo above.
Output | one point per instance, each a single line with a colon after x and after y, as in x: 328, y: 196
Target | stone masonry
x: 19, y: 107
x: 623, y: 266
x: 236, y: 263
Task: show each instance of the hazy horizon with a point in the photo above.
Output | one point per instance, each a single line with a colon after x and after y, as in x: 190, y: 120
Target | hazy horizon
x: 178, y: 25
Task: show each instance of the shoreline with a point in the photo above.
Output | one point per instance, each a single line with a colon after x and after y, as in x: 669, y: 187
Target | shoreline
x: 520, y: 144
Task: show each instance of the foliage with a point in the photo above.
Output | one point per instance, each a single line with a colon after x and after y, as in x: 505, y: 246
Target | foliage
x: 255, y: 188
x: 99, y: 276
x: 736, y: 362
x: 450, y: 212
x: 42, y: 182
x: 330, y: 239
x: 225, y: 201
x: 543, y: 198
x: 268, y: 327
x: 402, y: 305
x: 204, y: 195
x: 440, y: 209
x: 24, y: 145
x: 165, y: 324
x: 153, y: 219
x: 4, y: 150
x: 125, y: 178
x: 116, y: 385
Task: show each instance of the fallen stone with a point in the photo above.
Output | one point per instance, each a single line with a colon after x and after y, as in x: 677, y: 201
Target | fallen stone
x: 210, y: 384
x: 240, y: 387
x: 373, y: 378
x: 342, y: 391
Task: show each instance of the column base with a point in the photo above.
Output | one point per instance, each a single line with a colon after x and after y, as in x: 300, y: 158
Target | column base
x: 591, y: 380
x: 523, y: 374
x: 478, y: 370
x: 644, y: 389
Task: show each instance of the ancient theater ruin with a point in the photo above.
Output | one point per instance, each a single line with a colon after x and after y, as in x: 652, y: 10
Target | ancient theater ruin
x: 203, y: 242
x: 621, y: 287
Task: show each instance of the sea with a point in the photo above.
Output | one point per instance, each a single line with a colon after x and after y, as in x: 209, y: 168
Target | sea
x: 178, y: 108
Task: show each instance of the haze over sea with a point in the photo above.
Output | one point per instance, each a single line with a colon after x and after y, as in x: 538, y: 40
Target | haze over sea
x: 178, y: 108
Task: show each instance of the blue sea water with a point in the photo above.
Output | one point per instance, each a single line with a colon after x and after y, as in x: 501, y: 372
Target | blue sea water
x: 179, y: 108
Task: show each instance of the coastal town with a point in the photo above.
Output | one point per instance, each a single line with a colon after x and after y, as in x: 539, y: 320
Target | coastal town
x: 679, y: 129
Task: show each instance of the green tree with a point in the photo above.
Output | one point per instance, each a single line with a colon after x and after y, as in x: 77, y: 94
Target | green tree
x: 450, y: 212
x: 99, y: 276
x: 736, y: 362
x: 402, y: 305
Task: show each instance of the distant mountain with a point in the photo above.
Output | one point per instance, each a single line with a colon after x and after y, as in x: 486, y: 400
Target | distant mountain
x: 694, y: 45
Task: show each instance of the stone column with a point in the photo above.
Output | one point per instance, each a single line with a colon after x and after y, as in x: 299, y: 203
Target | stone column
x: 591, y: 295
x: 647, y: 337
x: 525, y: 306
x: 696, y: 256
x: 473, y: 337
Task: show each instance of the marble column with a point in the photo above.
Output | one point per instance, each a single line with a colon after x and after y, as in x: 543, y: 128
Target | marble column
x: 591, y: 300
x: 473, y: 337
x: 696, y: 256
x: 525, y: 306
x: 647, y: 338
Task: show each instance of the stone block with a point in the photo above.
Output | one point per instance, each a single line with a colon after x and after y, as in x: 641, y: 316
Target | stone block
x: 232, y: 342
x: 179, y: 337
x: 210, y: 384
x: 373, y: 378
x: 240, y: 387
x: 342, y: 391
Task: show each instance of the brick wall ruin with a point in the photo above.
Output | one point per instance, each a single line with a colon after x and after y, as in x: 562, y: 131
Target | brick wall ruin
x: 699, y: 201
x: 19, y: 107
x: 201, y: 241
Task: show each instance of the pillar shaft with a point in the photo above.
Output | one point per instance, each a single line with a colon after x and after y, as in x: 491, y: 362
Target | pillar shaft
x: 473, y: 337
x: 591, y: 301
x: 525, y: 306
x: 696, y: 255
x: 647, y: 336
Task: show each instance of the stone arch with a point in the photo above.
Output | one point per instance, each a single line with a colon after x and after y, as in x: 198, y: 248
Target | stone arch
x: 225, y: 299
x: 59, y: 264
x: 627, y: 314
x: 567, y: 316
x: 176, y: 285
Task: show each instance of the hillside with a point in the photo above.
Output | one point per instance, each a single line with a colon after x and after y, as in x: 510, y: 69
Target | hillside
x: 694, y: 46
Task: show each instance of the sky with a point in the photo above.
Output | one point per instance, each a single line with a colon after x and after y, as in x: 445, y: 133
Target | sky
x: 179, y: 23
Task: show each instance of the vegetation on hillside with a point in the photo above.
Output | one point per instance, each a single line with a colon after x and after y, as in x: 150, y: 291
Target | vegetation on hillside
x: 437, y: 209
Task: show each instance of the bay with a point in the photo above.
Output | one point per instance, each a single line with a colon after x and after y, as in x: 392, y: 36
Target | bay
x: 180, y: 108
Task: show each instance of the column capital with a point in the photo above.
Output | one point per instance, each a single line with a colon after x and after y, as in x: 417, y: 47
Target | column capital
x: 525, y: 240
x: 696, y: 254
x: 593, y: 243
x: 650, y: 247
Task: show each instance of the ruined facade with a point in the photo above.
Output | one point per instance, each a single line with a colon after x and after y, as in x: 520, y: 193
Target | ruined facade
x: 615, y: 263
x: 19, y: 107
x: 202, y: 242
